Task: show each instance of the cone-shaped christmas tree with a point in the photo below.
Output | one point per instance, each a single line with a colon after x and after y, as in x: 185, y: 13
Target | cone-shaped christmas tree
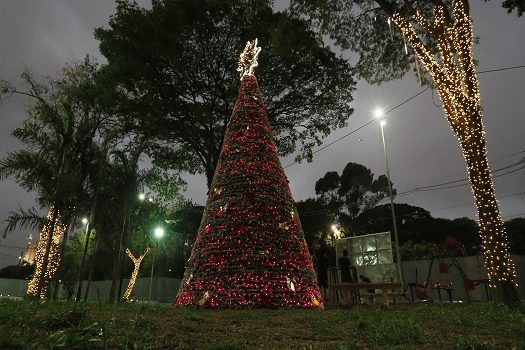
x: 250, y: 249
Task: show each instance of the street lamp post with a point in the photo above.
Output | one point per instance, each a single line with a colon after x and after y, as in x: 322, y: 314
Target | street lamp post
x: 159, y: 232
x: 86, y: 223
x: 379, y: 114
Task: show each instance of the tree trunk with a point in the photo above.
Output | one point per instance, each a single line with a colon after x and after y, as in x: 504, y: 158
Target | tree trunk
x: 62, y: 251
x: 210, y: 171
x: 37, y: 287
x: 492, y: 232
x: 42, y: 283
x: 40, y: 290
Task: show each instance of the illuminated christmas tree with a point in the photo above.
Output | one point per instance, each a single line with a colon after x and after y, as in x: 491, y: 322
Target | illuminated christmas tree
x: 250, y: 249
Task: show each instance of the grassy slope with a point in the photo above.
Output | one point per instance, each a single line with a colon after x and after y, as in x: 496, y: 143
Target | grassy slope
x: 25, y: 324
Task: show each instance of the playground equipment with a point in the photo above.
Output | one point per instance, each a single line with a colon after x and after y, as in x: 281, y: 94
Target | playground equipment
x: 446, y: 257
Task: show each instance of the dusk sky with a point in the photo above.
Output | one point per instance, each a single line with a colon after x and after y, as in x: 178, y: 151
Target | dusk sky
x: 422, y: 150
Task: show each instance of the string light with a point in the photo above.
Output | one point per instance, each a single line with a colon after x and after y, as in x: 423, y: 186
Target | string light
x: 453, y: 71
x: 52, y: 230
x: 250, y: 249
x: 135, y: 273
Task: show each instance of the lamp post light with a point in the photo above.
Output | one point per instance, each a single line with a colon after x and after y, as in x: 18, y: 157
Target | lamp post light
x: 337, y: 233
x: 142, y: 196
x: 378, y: 113
x: 158, y: 233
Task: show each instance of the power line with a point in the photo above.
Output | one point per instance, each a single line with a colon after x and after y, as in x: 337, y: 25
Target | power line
x: 11, y: 247
x: 406, y: 101
x: 463, y: 171
x: 439, y: 186
x: 395, y: 107
x: 513, y: 216
x: 499, y: 69
x: 433, y: 188
x: 359, y: 128
x: 331, y: 143
x: 472, y: 203
x: 334, y: 211
x: 11, y: 256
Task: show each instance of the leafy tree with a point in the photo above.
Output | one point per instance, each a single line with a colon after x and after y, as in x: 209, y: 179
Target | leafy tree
x: 411, y: 221
x: 315, y: 221
x: 187, y: 221
x: 410, y: 251
x: 59, y: 131
x: 81, y: 157
x: 466, y: 231
x: 440, y: 36
x: 511, y: 5
x: 119, y: 212
x: 352, y: 192
x: 69, y: 270
x: 416, y: 225
x: 172, y: 69
x: 180, y: 223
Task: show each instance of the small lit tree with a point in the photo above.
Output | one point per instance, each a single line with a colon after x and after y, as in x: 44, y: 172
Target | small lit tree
x: 135, y: 273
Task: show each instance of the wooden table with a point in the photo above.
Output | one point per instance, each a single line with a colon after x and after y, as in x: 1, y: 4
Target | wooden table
x: 348, y: 288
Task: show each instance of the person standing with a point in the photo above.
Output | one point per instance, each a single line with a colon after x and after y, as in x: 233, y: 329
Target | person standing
x: 344, y: 266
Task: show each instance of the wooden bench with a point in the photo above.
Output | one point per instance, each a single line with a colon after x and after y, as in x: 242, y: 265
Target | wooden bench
x: 348, y: 288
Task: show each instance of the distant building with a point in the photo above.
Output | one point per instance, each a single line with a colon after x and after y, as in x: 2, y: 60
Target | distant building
x: 28, y: 254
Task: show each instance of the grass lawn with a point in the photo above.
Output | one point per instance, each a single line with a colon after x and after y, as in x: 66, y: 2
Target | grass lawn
x: 35, y: 325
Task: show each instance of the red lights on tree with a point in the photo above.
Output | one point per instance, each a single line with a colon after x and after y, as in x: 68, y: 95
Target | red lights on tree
x: 250, y: 249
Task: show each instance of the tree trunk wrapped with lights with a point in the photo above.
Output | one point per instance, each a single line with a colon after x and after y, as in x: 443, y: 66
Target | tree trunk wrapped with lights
x: 134, y: 275
x: 453, y: 72
x: 250, y: 249
x: 47, y: 257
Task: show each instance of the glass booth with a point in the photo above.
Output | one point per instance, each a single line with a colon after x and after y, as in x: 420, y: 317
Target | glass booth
x: 371, y: 255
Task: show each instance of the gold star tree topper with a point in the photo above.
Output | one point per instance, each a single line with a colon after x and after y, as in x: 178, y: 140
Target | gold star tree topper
x: 248, y: 58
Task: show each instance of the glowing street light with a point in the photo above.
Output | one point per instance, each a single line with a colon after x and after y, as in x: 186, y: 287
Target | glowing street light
x: 379, y: 113
x: 85, y: 221
x: 337, y: 233
x: 159, y: 232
